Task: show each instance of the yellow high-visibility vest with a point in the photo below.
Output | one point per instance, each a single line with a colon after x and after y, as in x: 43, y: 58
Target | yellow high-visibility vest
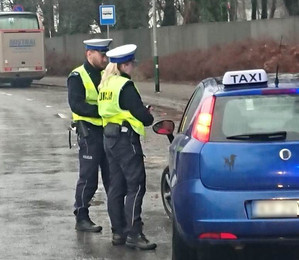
x: 108, y: 104
x: 91, y: 97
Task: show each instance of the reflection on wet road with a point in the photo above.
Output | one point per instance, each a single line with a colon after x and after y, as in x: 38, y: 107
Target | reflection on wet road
x: 37, y: 183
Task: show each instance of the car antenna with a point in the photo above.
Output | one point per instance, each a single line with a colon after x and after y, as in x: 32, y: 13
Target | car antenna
x: 276, y: 81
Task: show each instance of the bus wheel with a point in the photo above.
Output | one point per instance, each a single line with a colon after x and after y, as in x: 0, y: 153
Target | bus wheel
x: 21, y: 83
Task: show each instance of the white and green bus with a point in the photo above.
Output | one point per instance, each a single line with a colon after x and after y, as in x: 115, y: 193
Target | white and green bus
x: 22, y: 48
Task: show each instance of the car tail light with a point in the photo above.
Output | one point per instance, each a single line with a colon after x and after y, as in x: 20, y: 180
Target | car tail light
x: 202, y: 125
x: 217, y: 236
x: 38, y: 67
x: 7, y: 68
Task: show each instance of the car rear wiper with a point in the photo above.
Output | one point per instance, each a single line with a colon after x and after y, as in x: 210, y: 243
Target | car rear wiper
x: 272, y: 136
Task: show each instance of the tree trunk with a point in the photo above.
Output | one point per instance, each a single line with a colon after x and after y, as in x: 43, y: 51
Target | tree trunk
x: 292, y: 7
x: 169, y: 13
x: 179, y: 5
x: 264, y: 9
x: 62, y: 24
x: 253, y: 10
x: 49, y: 17
x: 242, y: 12
x: 273, y: 8
x: 233, y: 10
x: 191, y: 14
x: 159, y: 11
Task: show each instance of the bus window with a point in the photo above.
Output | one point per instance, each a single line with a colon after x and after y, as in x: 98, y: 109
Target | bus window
x: 17, y: 22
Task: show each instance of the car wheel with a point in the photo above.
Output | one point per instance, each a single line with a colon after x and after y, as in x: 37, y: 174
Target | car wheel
x: 180, y: 250
x: 165, y: 192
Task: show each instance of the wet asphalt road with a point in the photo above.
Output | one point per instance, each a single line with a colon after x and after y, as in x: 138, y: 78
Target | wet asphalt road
x: 38, y: 174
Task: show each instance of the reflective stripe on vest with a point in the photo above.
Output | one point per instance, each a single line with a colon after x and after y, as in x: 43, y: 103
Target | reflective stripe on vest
x: 108, y: 104
x: 91, y: 96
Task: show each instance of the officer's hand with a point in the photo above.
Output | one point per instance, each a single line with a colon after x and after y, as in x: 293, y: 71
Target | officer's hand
x: 149, y: 108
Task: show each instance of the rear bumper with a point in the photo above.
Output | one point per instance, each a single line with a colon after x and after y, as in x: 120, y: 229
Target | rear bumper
x: 249, y: 241
x: 8, y: 76
x: 199, y: 210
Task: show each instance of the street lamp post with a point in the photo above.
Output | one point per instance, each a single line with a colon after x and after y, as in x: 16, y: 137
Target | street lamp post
x: 156, y: 58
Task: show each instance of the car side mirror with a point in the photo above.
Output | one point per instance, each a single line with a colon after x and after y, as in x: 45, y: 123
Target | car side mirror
x: 165, y: 127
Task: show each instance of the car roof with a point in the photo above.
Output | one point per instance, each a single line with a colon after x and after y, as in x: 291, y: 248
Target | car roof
x: 286, y: 80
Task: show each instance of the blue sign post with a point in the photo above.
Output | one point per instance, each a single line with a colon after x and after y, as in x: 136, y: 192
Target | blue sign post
x: 107, y: 16
x: 18, y: 8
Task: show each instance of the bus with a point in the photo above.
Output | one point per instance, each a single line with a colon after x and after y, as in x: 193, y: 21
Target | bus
x: 22, y: 48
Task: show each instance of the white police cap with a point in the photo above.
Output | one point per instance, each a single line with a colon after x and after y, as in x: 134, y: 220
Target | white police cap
x: 97, y: 44
x: 245, y: 77
x: 122, y: 53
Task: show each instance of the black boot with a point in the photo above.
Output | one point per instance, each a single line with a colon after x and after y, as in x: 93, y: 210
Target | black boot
x: 118, y: 239
x: 87, y: 225
x: 140, y: 242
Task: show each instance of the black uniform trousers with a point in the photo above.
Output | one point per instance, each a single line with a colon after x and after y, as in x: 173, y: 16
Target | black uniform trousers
x: 127, y: 181
x: 91, y: 156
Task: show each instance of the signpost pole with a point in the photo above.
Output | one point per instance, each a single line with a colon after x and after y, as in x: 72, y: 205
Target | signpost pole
x: 108, y: 32
x: 156, y: 58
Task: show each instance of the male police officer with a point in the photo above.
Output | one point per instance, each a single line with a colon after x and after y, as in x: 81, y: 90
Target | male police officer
x: 124, y: 117
x: 82, y: 96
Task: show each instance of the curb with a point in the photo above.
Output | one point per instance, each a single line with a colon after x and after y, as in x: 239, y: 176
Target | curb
x: 155, y: 99
x: 164, y: 102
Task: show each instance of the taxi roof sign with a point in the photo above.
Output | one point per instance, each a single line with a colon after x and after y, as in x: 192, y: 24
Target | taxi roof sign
x: 247, y: 77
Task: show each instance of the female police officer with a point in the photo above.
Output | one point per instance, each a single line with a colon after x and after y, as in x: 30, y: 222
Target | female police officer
x: 124, y: 117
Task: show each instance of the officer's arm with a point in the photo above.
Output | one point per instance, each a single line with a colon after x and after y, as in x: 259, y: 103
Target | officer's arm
x: 130, y: 100
x: 76, y: 98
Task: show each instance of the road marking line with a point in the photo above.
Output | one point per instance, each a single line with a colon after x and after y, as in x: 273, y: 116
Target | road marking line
x: 61, y: 115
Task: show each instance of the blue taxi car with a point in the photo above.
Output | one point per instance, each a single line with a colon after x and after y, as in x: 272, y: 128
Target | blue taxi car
x: 234, y: 163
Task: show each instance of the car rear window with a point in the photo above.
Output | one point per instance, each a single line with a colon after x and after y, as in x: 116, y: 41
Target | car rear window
x: 240, y: 115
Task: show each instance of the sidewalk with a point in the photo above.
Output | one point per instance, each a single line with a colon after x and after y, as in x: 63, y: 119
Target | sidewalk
x: 171, y: 95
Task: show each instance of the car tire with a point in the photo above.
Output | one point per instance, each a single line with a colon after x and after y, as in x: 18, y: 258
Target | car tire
x: 180, y: 250
x: 165, y: 192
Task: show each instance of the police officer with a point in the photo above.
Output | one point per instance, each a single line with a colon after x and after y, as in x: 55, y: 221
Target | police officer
x: 82, y: 96
x: 124, y: 117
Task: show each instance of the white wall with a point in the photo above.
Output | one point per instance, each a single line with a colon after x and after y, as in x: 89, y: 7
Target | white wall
x: 172, y: 39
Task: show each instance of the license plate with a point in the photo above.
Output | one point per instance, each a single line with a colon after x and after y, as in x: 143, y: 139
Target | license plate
x: 275, y: 209
x: 23, y: 69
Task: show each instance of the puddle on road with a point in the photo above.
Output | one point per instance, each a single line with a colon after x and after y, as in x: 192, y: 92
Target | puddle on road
x: 7, y: 173
x: 45, y: 204
x: 39, y: 171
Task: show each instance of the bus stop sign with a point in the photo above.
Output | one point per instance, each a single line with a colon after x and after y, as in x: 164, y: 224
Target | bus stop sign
x: 18, y: 8
x: 107, y: 14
